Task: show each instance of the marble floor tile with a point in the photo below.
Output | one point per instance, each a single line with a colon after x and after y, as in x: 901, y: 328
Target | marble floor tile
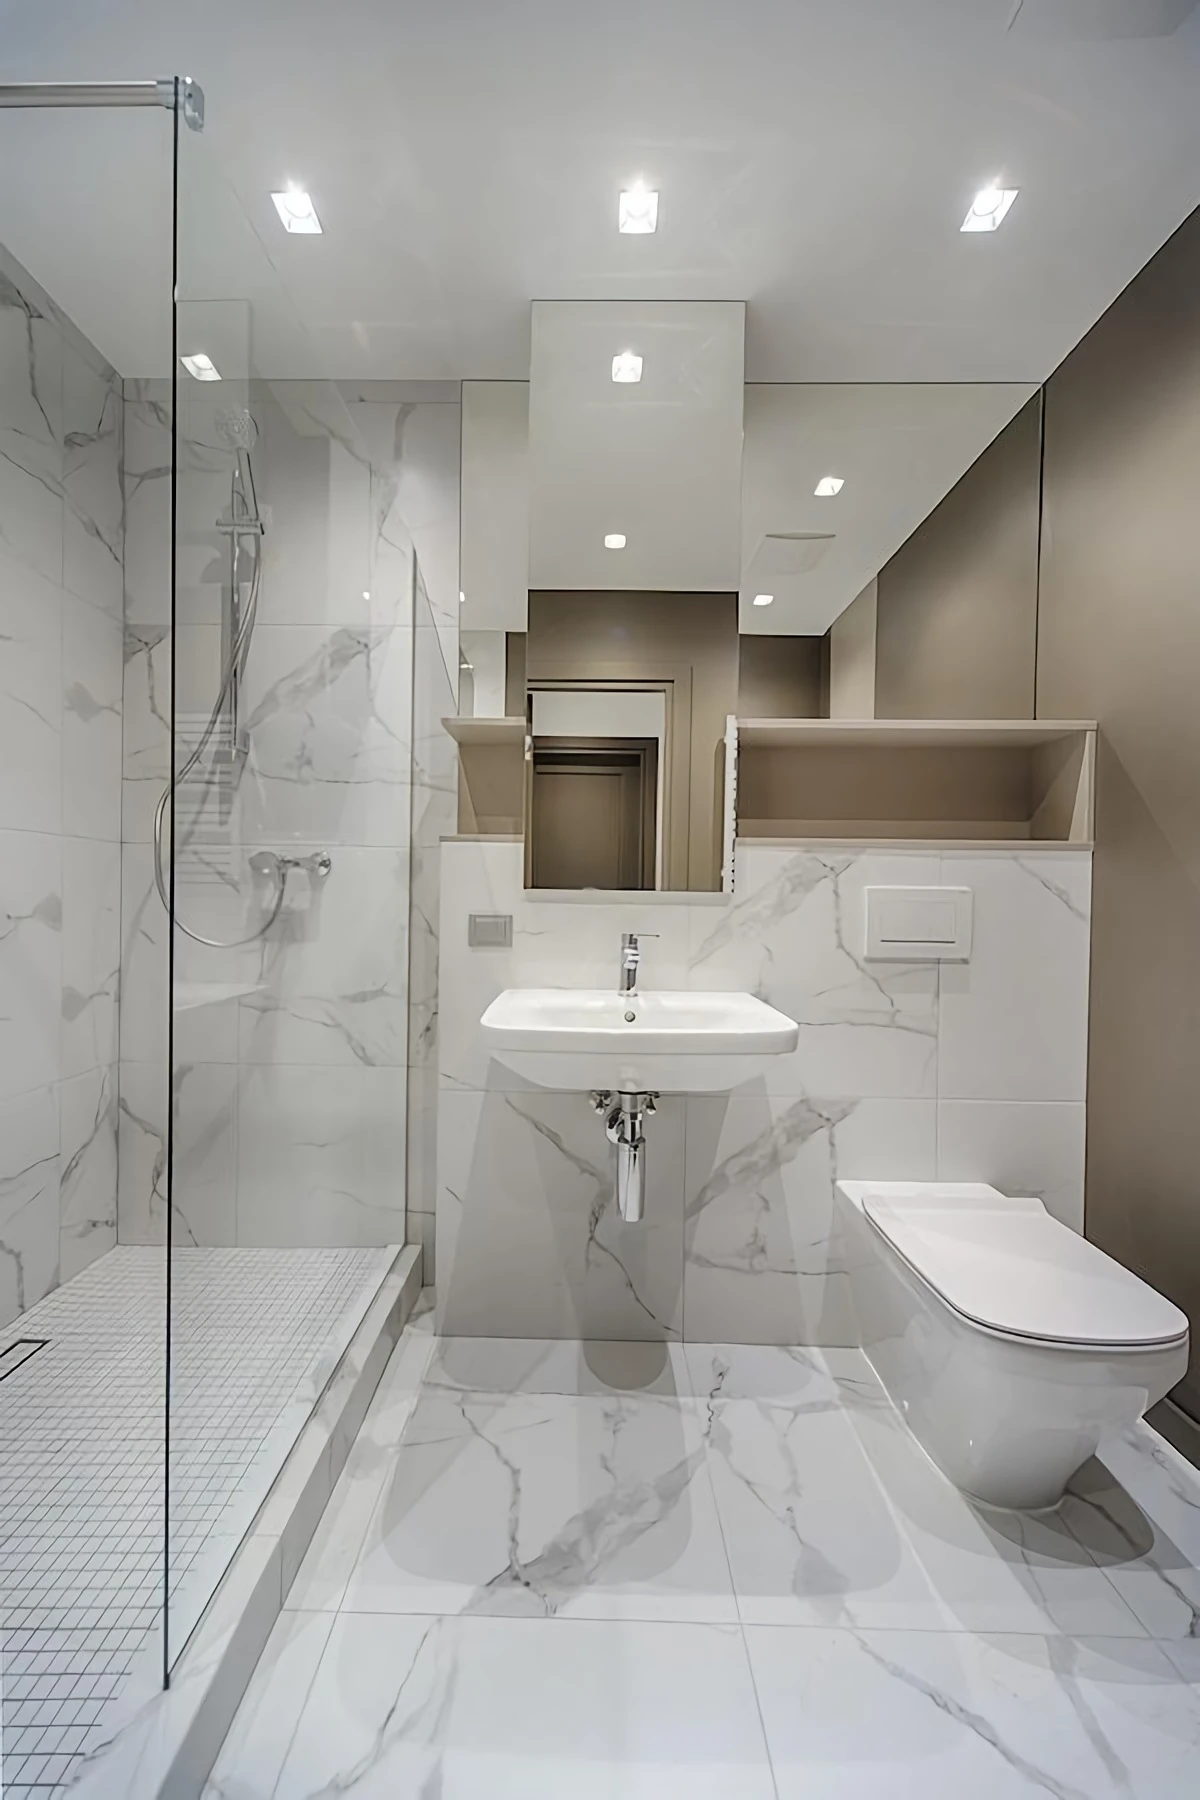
x: 895, y: 1715
x: 253, y: 1754
x: 513, y: 1709
x: 557, y: 1366
x: 1137, y: 1511
x: 811, y: 1538
x: 547, y: 1505
x: 322, y: 1578
x: 992, y: 1571
x: 796, y: 1375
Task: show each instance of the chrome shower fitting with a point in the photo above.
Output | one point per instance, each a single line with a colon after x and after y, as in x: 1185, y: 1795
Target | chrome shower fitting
x: 278, y: 864
x: 623, y: 1127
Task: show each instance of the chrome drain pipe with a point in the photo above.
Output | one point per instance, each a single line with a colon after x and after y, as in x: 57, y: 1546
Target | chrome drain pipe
x: 624, y: 1127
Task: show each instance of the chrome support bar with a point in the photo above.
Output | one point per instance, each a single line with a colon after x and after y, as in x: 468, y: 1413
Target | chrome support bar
x: 109, y: 93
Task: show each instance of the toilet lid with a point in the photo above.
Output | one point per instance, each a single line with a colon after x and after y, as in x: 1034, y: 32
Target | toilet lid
x: 1017, y: 1270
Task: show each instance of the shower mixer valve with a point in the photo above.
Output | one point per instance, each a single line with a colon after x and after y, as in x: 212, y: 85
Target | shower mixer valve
x: 271, y: 862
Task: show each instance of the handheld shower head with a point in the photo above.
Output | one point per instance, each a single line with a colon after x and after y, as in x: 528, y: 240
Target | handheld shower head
x: 236, y: 427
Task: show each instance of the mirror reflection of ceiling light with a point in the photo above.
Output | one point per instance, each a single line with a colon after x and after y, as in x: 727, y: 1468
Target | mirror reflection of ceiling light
x: 201, y: 366
x: 614, y: 540
x: 627, y: 366
x: 988, y: 208
x: 764, y: 599
x: 297, y: 211
x: 828, y: 486
x: 637, y: 209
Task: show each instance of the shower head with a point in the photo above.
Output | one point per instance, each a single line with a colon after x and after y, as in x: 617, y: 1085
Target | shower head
x: 236, y: 428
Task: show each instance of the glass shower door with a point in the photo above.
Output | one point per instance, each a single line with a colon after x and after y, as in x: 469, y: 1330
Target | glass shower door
x: 287, y: 845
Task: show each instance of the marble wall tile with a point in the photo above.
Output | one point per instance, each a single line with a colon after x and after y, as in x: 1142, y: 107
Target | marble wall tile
x: 91, y: 721
x: 91, y: 954
x: 332, y: 975
x: 31, y: 952
x: 31, y: 389
x: 1019, y: 1146
x: 1013, y: 1020
x: 868, y: 1092
x: 146, y: 482
x: 87, y: 1169
x: 142, y: 1152
x: 328, y: 713
x: 94, y: 509
x: 146, y: 727
x: 529, y: 1243
x: 61, y: 528
x: 31, y: 698
x: 29, y: 1176
x: 762, y: 1263
x: 320, y: 1156
x: 795, y: 934
x: 204, y: 1172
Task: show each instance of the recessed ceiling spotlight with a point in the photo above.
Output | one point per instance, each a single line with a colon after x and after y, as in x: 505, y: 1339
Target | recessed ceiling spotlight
x: 462, y: 598
x: 764, y: 599
x: 988, y: 208
x: 201, y: 366
x: 627, y: 366
x: 366, y: 593
x: 297, y: 211
x: 614, y: 540
x: 637, y: 209
x: 828, y: 486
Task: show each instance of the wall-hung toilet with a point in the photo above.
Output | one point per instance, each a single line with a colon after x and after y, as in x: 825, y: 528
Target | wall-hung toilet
x: 1009, y: 1344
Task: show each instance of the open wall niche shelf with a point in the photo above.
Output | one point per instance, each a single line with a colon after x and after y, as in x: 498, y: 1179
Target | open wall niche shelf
x: 930, y: 781
x: 491, y: 782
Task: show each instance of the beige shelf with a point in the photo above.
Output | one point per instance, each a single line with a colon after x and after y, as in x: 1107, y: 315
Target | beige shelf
x: 930, y: 782
x: 486, y: 731
x: 491, y: 776
x: 907, y: 734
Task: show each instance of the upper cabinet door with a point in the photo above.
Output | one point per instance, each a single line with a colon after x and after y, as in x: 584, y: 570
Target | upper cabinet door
x: 655, y: 461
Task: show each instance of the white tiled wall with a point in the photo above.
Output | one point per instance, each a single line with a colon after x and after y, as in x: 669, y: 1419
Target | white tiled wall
x: 292, y: 1101
x: 60, y: 825
x: 971, y: 1071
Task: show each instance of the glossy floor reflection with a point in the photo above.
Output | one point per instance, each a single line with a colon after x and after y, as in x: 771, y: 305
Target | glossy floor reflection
x: 623, y: 1570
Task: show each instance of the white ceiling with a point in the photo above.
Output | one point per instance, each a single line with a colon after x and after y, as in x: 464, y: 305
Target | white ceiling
x: 814, y: 159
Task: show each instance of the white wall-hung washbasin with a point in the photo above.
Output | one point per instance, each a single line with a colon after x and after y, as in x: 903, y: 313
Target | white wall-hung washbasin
x: 656, y: 1043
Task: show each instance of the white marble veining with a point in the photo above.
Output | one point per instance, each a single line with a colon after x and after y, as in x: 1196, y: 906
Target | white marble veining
x: 61, y: 527
x: 529, y: 1239
x: 703, y: 1569
x: 761, y: 1260
x: 1014, y: 1019
x: 290, y: 1097
x: 877, y: 1087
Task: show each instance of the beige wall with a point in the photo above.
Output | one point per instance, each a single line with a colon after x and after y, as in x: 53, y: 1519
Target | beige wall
x: 688, y: 639
x: 779, y: 677
x: 957, y: 604
x: 1119, y: 641
x: 852, y: 658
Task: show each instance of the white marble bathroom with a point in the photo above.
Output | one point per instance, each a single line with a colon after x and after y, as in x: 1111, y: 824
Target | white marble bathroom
x: 599, y: 955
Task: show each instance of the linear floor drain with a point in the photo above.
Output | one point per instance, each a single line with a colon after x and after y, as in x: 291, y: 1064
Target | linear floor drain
x: 13, y: 1355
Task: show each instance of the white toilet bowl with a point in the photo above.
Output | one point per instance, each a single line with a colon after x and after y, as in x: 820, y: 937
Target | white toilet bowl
x: 1009, y: 1344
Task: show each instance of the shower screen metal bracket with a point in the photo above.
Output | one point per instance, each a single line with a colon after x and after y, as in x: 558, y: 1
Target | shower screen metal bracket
x: 168, y: 91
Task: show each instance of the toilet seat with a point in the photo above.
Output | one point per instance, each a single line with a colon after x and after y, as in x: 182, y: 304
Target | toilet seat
x: 1007, y: 1266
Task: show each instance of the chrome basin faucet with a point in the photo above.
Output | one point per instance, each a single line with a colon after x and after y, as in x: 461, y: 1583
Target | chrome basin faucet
x: 631, y: 955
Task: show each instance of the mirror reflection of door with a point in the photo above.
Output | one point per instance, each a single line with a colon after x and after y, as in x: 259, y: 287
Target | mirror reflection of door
x: 593, y: 807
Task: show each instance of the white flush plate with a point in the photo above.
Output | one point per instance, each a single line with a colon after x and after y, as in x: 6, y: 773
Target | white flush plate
x: 919, y: 924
